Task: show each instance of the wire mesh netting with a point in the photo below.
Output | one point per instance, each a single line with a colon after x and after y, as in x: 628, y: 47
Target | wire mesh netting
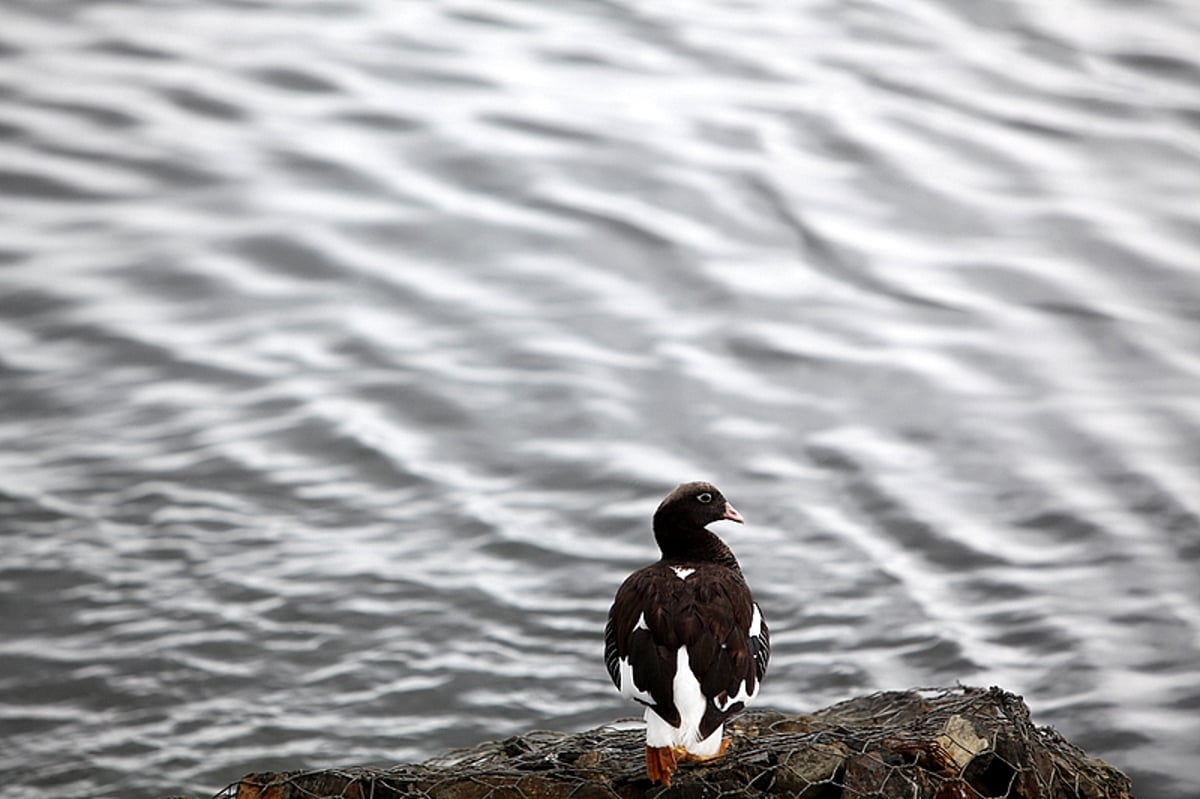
x: 961, y: 743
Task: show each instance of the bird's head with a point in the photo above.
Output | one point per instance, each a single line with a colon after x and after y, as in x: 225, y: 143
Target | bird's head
x: 693, y: 505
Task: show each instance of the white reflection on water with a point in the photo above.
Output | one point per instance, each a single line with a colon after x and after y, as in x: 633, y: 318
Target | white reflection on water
x: 349, y: 346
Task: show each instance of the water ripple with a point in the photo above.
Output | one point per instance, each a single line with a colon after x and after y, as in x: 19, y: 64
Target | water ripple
x: 346, y: 349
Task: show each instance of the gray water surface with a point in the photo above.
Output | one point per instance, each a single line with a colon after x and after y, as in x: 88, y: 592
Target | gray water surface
x: 347, y: 348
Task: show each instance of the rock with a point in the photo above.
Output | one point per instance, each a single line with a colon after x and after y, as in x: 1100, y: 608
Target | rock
x: 810, y: 772
x: 962, y: 743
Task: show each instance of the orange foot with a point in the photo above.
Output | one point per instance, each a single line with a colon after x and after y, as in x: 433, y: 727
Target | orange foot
x: 660, y: 762
x: 687, y: 757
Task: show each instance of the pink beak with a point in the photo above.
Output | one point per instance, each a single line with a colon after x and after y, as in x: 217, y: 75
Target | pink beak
x: 732, y: 515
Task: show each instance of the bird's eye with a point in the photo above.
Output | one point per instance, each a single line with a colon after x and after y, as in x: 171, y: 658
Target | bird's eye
x: 705, y: 497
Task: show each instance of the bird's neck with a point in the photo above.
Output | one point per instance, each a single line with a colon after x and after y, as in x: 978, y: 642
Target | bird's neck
x: 692, y: 545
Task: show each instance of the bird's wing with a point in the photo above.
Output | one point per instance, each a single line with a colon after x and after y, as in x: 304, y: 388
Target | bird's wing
x: 714, y: 616
x: 760, y: 644
x: 724, y: 652
x: 630, y: 650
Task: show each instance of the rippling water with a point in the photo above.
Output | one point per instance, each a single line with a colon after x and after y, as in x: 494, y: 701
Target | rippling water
x: 347, y: 347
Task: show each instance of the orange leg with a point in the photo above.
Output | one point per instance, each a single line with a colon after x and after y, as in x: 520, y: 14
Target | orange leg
x: 660, y: 762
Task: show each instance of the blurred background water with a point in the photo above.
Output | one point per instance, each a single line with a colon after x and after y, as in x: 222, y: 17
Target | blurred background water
x: 348, y: 345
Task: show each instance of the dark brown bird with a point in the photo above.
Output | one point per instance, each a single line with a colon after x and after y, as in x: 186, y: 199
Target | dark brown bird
x: 684, y: 636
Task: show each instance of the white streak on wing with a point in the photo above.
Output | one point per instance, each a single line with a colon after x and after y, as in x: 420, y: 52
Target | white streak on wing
x: 681, y: 572
x: 742, y: 695
x: 628, y: 689
x: 641, y: 623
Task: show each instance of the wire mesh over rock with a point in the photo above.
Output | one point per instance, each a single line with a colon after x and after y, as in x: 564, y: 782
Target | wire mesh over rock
x: 963, y: 743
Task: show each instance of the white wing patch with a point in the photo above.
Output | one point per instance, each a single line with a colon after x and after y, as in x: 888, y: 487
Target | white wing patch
x: 681, y: 572
x: 628, y: 689
x: 742, y: 694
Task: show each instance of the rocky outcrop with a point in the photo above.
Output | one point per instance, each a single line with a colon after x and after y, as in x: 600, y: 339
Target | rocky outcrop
x: 962, y: 743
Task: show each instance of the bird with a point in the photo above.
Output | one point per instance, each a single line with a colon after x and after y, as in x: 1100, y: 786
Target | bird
x: 684, y: 636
